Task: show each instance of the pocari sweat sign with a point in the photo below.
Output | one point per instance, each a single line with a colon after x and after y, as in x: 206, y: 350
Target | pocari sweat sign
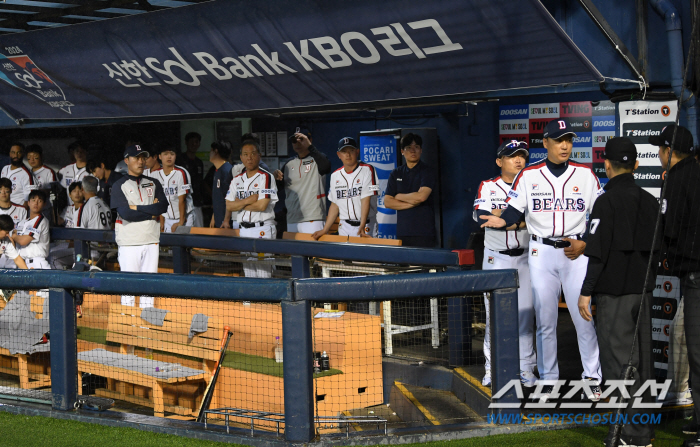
x: 380, y: 152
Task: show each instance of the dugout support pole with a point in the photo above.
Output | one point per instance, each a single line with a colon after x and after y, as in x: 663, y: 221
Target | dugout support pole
x: 64, y: 355
x: 298, y: 371
x: 181, y: 260
x: 82, y: 248
x: 505, y: 346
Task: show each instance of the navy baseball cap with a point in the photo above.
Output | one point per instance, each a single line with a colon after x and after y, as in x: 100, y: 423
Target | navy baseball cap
x: 620, y: 149
x: 347, y: 142
x: 508, y: 148
x: 135, y: 151
x: 557, y: 129
x: 683, y: 143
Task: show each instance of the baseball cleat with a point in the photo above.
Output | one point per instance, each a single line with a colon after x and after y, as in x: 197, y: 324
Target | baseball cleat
x: 527, y: 378
x: 545, y: 396
x: 486, y: 381
x: 595, y: 393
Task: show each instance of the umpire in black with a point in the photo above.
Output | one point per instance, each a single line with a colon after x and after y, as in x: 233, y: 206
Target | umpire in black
x: 619, y: 245
x: 681, y: 241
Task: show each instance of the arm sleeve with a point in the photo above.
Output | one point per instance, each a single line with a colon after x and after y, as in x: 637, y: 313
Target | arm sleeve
x: 324, y: 164
x: 231, y: 193
x: 593, y: 272
x: 185, y: 186
x: 155, y: 209
x: 600, y: 236
x: 391, y: 184
x: 119, y: 202
x: 517, y: 196
x: 428, y: 179
x: 482, y: 202
x: 511, y: 215
x: 11, y: 251
x: 269, y: 189
x: 370, y: 183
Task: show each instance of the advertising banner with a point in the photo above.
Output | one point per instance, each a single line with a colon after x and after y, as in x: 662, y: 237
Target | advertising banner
x: 381, y: 151
x: 221, y: 56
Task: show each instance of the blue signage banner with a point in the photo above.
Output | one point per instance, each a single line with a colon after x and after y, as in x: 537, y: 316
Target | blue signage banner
x: 381, y: 152
x: 223, y: 56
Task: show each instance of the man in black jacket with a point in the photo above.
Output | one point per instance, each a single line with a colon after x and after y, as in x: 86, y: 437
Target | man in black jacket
x: 619, y: 245
x: 681, y: 241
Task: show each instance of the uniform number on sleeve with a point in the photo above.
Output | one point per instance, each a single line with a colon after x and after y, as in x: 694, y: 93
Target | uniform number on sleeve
x: 594, y: 225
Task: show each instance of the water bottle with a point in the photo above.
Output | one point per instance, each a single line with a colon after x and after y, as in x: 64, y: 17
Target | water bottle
x: 279, y: 354
x: 325, y: 362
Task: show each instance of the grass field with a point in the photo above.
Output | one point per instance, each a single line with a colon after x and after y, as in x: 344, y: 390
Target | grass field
x: 21, y: 431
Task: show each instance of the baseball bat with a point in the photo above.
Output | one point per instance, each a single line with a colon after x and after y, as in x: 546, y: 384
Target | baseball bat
x: 209, y: 392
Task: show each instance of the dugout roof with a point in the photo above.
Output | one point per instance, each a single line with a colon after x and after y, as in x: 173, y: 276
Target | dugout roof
x: 81, y: 62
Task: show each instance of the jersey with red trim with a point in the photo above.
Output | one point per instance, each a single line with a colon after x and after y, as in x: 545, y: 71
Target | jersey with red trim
x: 23, y: 182
x: 38, y: 228
x: 94, y: 214
x: 7, y: 248
x: 175, y: 184
x: 261, y: 183
x: 18, y: 213
x: 44, y: 177
x: 347, y: 189
x: 69, y: 174
x: 492, y: 196
x: 555, y: 206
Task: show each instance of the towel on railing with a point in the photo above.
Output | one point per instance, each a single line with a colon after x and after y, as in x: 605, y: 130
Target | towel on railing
x: 154, y: 316
x: 199, y: 324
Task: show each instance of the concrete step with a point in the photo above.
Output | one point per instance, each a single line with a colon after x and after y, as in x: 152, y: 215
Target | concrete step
x: 466, y: 385
x: 417, y: 405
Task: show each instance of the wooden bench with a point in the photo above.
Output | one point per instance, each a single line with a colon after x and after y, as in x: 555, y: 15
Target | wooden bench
x: 33, y: 370
x: 128, y: 329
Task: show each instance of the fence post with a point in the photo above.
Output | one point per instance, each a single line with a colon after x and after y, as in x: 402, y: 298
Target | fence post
x: 300, y: 267
x: 459, y: 311
x: 64, y: 356
x: 81, y: 248
x: 181, y: 260
x: 298, y: 371
x: 505, y: 346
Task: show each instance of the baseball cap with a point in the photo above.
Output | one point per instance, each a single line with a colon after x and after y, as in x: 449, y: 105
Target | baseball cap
x: 683, y: 143
x: 557, y: 128
x: 508, y: 148
x: 135, y: 151
x: 620, y: 149
x: 346, y: 142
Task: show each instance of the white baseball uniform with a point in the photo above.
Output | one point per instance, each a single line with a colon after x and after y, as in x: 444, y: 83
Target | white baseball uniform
x: 256, y: 224
x: 23, y: 182
x: 507, y: 250
x: 18, y: 213
x: 36, y: 252
x: 555, y: 208
x: 8, y: 249
x: 176, y: 184
x: 347, y: 191
x: 45, y: 176
x: 94, y: 214
x: 69, y: 174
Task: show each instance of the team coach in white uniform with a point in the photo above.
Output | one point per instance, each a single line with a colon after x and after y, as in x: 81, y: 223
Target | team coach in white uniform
x: 139, y: 202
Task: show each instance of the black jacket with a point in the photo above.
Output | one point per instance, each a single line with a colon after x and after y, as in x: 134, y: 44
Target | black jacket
x: 682, y: 218
x: 620, y: 239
